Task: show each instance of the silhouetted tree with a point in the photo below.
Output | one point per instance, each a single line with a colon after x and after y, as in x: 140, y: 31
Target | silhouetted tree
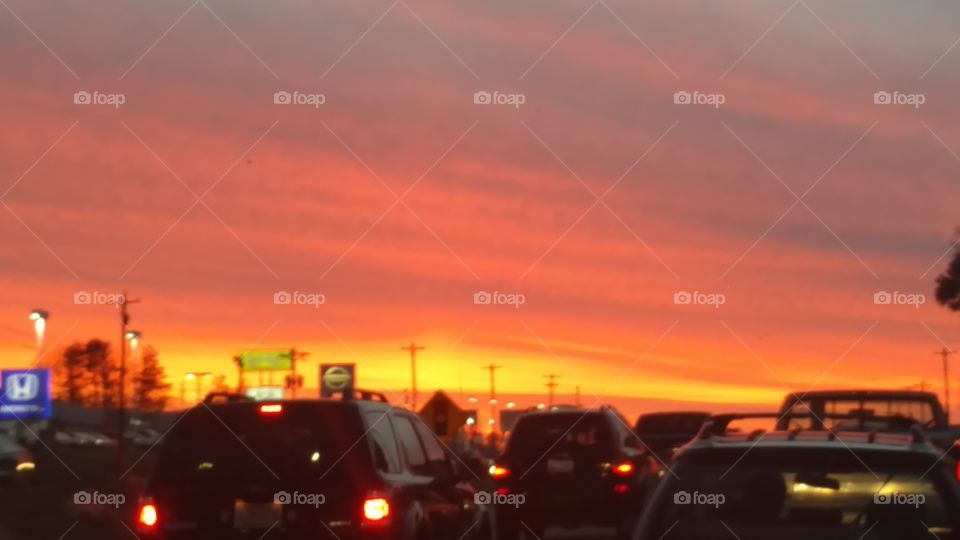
x: 88, y: 375
x: 72, y: 370
x: 104, y: 371
x: 948, y: 284
x: 150, y: 386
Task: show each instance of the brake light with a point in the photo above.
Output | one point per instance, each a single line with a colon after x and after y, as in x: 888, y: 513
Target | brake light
x: 623, y: 469
x: 958, y: 470
x: 147, y: 516
x: 268, y: 409
x: 499, y: 472
x: 376, y: 509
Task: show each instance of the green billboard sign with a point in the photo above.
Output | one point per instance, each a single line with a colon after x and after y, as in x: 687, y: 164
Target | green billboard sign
x: 267, y: 360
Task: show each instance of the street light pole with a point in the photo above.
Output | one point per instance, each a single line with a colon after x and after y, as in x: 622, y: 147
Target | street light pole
x: 945, y: 354
x: 39, y: 318
x: 197, y: 377
x: 121, y: 400
x: 134, y: 336
x: 493, y: 394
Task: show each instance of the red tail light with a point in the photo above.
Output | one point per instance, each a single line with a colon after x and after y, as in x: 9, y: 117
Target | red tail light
x: 376, y: 509
x: 147, y: 515
x: 958, y: 470
x: 499, y: 472
x: 271, y: 409
x: 623, y: 469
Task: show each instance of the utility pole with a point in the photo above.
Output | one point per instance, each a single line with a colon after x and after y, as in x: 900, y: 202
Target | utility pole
x: 945, y: 353
x: 121, y: 399
x: 413, y: 348
x: 493, y: 392
x: 550, y: 384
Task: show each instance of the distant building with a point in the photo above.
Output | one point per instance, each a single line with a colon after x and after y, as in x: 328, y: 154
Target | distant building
x: 444, y: 416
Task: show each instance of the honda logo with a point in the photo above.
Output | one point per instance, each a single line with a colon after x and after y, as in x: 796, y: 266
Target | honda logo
x: 22, y: 387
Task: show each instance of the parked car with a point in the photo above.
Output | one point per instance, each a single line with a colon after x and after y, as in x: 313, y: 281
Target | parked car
x: 570, y: 468
x: 307, y: 469
x: 15, y: 460
x: 142, y: 436
x: 664, y: 432
x: 802, y: 485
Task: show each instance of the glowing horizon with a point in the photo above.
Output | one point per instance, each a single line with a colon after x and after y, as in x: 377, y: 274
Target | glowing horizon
x: 402, y: 193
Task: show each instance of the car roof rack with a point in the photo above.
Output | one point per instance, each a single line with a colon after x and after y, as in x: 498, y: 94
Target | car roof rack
x: 216, y: 398
x: 360, y: 394
x: 714, y: 429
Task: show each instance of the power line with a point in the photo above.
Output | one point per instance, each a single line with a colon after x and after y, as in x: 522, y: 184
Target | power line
x: 413, y: 348
x: 551, y: 384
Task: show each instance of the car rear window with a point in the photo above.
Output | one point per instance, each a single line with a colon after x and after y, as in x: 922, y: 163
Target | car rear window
x: 825, y: 496
x: 237, y: 441
x: 582, y: 436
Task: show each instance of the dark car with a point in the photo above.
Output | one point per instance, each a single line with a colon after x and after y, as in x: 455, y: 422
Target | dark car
x: 570, y: 468
x: 664, y: 432
x: 307, y: 469
x: 803, y: 485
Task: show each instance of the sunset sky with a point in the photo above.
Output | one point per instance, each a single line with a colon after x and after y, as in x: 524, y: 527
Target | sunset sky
x: 598, y: 198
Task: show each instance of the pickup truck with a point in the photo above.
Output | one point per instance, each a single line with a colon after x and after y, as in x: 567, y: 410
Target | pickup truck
x: 879, y: 411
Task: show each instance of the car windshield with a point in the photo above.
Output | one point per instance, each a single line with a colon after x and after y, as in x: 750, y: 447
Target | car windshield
x: 802, y: 499
x: 216, y: 443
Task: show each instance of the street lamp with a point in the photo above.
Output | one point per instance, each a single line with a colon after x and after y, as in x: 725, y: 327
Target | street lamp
x: 133, y: 336
x: 39, y: 318
x: 197, y: 376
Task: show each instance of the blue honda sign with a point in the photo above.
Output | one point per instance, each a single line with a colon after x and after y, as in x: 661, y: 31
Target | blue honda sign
x: 25, y: 394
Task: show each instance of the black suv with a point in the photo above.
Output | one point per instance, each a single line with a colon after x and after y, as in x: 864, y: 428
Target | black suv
x: 307, y: 469
x: 570, y: 468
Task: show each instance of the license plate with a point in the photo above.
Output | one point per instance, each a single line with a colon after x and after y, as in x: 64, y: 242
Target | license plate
x: 255, y: 515
x: 559, y: 466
